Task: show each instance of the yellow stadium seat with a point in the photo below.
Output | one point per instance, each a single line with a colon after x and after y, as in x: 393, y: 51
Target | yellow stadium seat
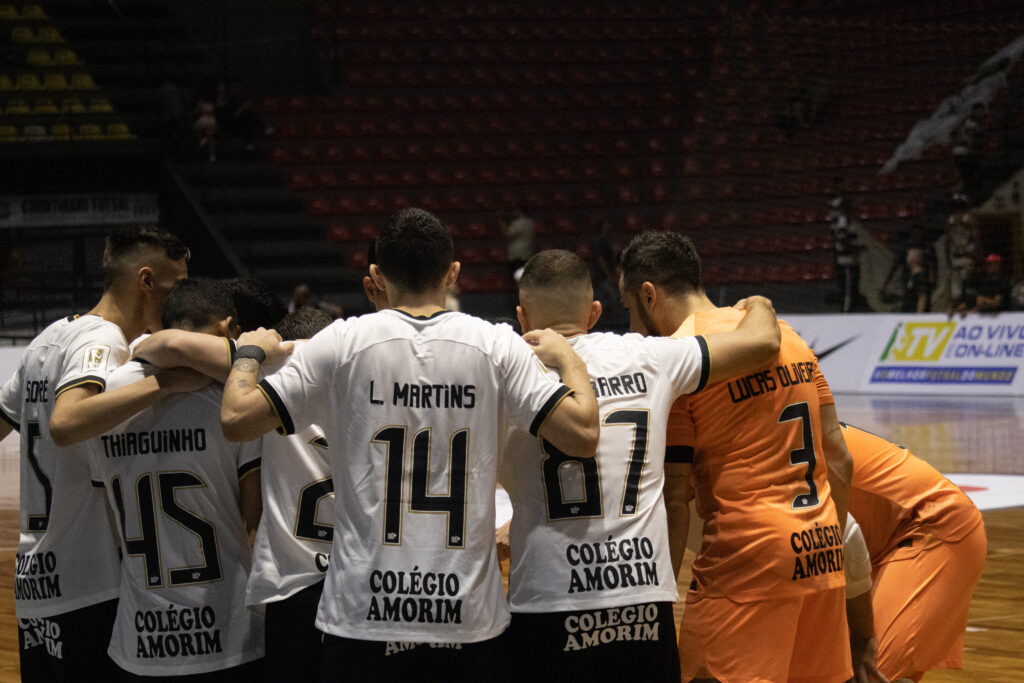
x: 6, y: 83
x: 65, y: 57
x: 33, y: 12
x: 8, y: 13
x: 55, y: 82
x: 9, y: 134
x: 72, y: 105
x: 100, y: 105
x: 38, y: 58
x: 15, y: 107
x: 82, y: 82
x: 44, y: 105
x: 119, y: 131
x: 22, y: 34
x: 89, y: 131
x: 50, y: 34
x: 28, y: 82
x: 60, y: 132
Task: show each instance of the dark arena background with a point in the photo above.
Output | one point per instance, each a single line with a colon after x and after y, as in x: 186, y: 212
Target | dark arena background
x: 812, y: 149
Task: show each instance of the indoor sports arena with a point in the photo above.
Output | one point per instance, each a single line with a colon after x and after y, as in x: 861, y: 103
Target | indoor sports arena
x: 857, y: 163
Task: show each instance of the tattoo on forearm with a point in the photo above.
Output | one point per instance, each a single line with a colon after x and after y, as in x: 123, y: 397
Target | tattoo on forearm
x: 246, y: 365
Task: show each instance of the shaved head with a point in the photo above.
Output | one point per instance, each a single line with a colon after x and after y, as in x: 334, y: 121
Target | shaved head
x: 555, y: 289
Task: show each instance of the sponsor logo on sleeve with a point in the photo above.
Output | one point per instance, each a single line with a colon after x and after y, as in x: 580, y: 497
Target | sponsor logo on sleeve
x: 96, y: 358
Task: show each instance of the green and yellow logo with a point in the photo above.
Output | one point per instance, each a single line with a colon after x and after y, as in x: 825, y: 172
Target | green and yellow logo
x: 917, y: 342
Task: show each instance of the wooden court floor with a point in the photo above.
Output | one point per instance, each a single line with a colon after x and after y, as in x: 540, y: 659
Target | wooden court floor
x: 979, y: 436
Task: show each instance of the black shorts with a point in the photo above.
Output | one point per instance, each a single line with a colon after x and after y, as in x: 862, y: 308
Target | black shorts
x: 371, y: 661
x: 250, y: 672
x: 64, y: 646
x: 293, y: 643
x: 627, y: 643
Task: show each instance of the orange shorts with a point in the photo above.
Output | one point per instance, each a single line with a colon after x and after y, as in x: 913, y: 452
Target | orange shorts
x: 794, y: 639
x: 920, y: 598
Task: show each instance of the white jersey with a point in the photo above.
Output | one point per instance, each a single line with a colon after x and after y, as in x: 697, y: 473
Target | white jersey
x: 592, y: 533
x: 67, y: 554
x: 415, y: 410
x: 172, y: 481
x: 293, y: 543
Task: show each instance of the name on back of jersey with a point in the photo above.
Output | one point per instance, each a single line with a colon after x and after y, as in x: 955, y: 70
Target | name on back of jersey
x: 620, y: 385
x: 37, y: 391
x: 126, y: 444
x: 767, y: 381
x: 419, y: 395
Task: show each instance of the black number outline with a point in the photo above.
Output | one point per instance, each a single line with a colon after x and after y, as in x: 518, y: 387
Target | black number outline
x: 35, y: 524
x: 147, y: 545
x: 306, y: 526
x: 805, y: 455
x: 210, y: 571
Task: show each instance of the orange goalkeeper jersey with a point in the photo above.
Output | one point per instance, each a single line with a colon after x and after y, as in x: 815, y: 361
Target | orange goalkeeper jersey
x: 895, y: 496
x: 759, y: 474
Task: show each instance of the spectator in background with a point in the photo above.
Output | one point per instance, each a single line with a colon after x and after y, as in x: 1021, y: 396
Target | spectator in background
x: 235, y: 113
x: 847, y: 249
x: 519, y: 232
x: 992, y: 289
x: 205, y: 127
x: 961, y: 250
x: 915, y: 238
x: 967, y: 151
x: 304, y: 297
x: 917, y: 290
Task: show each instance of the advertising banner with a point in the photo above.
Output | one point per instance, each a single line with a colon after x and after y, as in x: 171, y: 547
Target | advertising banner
x: 918, y: 354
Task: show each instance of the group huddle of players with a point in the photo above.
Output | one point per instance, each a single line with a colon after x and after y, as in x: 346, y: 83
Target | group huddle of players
x: 167, y: 532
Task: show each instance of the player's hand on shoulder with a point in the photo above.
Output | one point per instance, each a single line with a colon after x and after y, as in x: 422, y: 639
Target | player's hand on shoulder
x: 182, y: 380
x: 550, y: 347
x: 752, y: 301
x: 269, y: 341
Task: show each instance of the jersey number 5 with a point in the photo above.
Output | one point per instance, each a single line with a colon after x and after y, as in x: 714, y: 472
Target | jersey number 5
x: 803, y: 455
x: 590, y: 505
x: 452, y: 504
x: 147, y: 545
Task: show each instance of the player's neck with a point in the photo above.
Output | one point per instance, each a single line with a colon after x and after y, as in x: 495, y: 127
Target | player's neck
x: 123, y: 311
x: 419, y: 303
x: 681, y: 307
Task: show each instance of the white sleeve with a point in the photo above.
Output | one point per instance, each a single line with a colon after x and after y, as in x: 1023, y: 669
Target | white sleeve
x: 299, y: 391
x: 532, y: 390
x: 95, y: 354
x: 10, y: 399
x: 857, y: 565
x: 684, y: 361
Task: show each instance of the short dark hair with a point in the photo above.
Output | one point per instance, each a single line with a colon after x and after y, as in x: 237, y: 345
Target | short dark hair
x: 414, y: 250
x: 554, y: 269
x: 303, y: 323
x: 256, y: 303
x: 666, y: 259
x: 125, y: 242
x: 196, y: 303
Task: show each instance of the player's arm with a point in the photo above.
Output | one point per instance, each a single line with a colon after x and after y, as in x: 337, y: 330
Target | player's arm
x: 245, y: 411
x: 678, y: 493
x: 859, y: 614
x: 838, y: 460
x: 250, y: 501
x: 85, y: 411
x: 209, y: 354
x: 573, y: 425
x: 753, y: 344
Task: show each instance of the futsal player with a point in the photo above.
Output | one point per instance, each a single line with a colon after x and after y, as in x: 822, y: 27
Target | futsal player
x: 418, y: 400
x: 590, y: 583
x: 768, y: 458
x: 184, y: 498
x: 67, y: 568
x: 927, y: 544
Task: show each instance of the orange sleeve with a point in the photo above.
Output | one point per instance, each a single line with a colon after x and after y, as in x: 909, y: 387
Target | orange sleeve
x: 681, y: 436
x: 824, y: 392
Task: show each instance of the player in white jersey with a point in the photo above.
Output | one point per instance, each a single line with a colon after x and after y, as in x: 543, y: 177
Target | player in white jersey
x: 590, y: 579
x: 66, y: 571
x: 179, y: 491
x: 418, y: 400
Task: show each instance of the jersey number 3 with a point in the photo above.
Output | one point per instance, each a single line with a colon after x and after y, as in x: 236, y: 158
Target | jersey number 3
x: 803, y: 455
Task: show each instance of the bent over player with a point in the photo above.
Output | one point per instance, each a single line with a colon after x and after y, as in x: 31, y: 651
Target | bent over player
x: 67, y: 568
x: 590, y: 582
x: 768, y: 579
x: 178, y: 490
x: 927, y: 545
x: 418, y: 400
